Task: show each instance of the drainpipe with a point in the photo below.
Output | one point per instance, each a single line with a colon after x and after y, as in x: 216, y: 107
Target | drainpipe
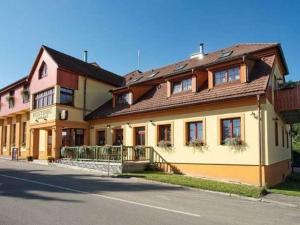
x: 84, y: 85
x: 260, y: 139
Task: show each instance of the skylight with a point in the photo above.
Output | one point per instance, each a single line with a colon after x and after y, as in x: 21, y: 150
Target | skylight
x: 154, y: 74
x: 180, y: 66
x: 225, y: 54
x: 137, y: 79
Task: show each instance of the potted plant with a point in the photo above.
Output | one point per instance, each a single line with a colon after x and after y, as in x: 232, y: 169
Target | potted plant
x: 196, y: 143
x: 51, y: 159
x: 233, y: 141
x: 164, y: 144
x: 139, y: 151
x: 29, y: 158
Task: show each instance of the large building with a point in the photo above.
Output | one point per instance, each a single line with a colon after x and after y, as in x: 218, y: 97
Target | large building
x: 222, y: 115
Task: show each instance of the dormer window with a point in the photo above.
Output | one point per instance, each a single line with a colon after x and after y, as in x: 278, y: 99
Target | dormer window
x: 43, y: 71
x: 225, y: 76
x: 123, y: 99
x: 183, y: 85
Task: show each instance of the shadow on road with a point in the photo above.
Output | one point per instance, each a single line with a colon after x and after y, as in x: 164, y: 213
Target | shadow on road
x: 89, y: 183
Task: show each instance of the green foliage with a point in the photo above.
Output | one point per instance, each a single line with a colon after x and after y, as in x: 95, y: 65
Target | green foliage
x: 290, y: 187
x: 239, y: 189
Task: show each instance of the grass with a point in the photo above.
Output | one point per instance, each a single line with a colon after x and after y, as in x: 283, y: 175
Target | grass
x: 290, y: 187
x: 239, y: 189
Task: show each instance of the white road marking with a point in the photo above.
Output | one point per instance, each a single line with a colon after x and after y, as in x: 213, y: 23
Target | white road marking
x: 103, y: 196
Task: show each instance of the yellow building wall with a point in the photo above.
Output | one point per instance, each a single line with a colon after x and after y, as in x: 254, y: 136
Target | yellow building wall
x: 212, y: 153
x: 276, y: 153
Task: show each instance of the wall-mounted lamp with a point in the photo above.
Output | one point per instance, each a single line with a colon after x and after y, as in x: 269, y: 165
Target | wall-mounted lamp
x: 91, y: 128
x: 152, y: 122
x: 128, y: 124
x: 107, y: 126
x: 254, y: 115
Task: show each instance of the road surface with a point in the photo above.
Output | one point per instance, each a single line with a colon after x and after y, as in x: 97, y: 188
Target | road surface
x: 32, y: 194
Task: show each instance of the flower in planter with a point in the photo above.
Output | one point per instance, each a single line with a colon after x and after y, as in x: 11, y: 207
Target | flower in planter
x: 164, y: 144
x: 29, y: 158
x: 196, y: 143
x: 233, y: 141
x: 51, y: 159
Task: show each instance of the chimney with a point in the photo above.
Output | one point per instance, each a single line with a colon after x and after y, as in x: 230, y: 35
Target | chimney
x: 85, y: 56
x: 199, y: 54
x: 201, y: 49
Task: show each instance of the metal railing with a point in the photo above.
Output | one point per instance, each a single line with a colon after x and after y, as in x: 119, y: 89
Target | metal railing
x: 107, y: 153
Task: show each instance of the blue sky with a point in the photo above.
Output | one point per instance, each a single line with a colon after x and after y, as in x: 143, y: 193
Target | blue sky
x: 165, y: 31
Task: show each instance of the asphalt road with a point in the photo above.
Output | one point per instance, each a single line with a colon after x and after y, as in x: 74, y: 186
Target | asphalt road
x: 32, y: 194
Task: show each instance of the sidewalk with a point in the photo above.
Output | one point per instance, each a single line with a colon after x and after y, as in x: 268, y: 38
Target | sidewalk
x: 291, y: 201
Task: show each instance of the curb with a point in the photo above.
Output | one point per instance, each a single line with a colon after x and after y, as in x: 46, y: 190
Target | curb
x: 261, y: 199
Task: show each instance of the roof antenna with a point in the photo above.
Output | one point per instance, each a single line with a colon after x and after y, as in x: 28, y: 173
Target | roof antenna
x: 138, y: 59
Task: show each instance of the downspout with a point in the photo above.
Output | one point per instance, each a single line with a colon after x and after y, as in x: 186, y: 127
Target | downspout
x: 259, y: 139
x: 84, y: 86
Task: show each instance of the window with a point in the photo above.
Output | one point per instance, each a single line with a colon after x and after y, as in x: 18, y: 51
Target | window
x: 43, y: 98
x: 139, y: 135
x: 66, y: 96
x: 123, y: 99
x: 225, y: 76
x: 195, y: 131
x: 118, y: 140
x: 14, y: 134
x: 231, y: 129
x: 164, y: 133
x: 24, y: 133
x: 276, y: 133
x: 11, y: 99
x: 43, y: 71
x: 79, y: 137
x: 25, y: 94
x: 101, y: 137
x: 5, y: 135
x: 282, y: 134
x: 183, y: 85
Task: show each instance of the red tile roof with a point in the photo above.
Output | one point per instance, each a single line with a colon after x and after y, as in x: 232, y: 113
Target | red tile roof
x: 156, y: 98
x: 211, y: 58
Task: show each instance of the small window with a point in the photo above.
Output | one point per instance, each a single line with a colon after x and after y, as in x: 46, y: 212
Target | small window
x: 66, y: 96
x: 164, y: 134
x: 153, y: 74
x: 195, y: 132
x: 14, y: 130
x: 137, y: 79
x: 43, y: 71
x: 24, y: 129
x: 123, y: 99
x: 276, y: 133
x: 140, y: 137
x: 11, y: 99
x: 5, y: 136
x: 225, y: 54
x: 231, y: 129
x: 184, y: 85
x: 180, y: 66
x: 225, y: 76
x: 101, y: 137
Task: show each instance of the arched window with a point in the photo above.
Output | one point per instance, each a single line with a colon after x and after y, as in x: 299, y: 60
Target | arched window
x: 43, y: 70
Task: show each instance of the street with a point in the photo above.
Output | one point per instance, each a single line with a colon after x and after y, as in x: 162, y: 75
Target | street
x: 41, y: 195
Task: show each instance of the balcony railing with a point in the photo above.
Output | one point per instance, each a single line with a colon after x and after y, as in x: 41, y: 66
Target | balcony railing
x: 288, y: 99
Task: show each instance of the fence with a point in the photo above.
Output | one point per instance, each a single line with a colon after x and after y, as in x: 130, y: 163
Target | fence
x: 108, y: 153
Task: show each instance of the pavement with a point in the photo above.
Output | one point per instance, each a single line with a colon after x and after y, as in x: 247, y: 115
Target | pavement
x: 41, y: 195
